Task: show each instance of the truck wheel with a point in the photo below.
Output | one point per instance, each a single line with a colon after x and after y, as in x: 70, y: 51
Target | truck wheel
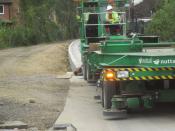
x: 109, y: 90
x: 84, y: 72
x: 88, y: 73
x: 102, y: 98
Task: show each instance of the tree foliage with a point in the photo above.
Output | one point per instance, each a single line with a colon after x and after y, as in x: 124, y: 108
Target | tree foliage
x: 39, y: 15
x: 65, y: 12
x: 163, y: 21
x: 41, y: 21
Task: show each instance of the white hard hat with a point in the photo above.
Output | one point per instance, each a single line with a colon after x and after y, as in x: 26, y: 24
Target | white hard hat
x: 109, y: 7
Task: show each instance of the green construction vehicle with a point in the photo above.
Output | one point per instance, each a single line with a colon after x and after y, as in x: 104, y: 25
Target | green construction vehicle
x: 135, y: 72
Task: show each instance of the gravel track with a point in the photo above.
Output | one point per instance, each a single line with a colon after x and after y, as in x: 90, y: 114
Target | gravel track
x: 29, y: 89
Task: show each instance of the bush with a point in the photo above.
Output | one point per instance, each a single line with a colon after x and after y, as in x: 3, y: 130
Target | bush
x: 163, y: 22
x: 19, y: 36
x: 37, y: 23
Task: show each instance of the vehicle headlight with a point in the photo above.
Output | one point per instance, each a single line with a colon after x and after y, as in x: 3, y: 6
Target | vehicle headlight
x: 122, y: 74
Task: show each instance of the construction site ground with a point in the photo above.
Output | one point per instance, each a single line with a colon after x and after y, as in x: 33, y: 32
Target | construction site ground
x: 29, y: 88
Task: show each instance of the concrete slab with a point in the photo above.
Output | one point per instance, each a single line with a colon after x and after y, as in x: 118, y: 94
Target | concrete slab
x: 85, y: 113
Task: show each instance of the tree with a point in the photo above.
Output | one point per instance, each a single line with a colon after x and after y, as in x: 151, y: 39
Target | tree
x: 66, y: 12
x: 163, y: 21
x: 41, y: 21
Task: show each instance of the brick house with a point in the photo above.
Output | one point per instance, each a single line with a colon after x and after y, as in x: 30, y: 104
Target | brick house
x: 9, y: 9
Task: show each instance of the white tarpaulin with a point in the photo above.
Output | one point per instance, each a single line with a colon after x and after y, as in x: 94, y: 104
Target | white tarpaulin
x: 137, y: 2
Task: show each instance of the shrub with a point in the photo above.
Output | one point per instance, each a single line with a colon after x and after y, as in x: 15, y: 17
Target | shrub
x: 163, y: 22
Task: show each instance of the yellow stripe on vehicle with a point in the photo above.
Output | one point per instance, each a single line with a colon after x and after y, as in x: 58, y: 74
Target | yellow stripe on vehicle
x: 136, y: 69
x: 169, y: 68
x: 163, y: 68
x: 131, y: 78
x: 141, y: 78
x: 122, y: 69
x: 117, y: 79
x: 143, y: 69
x: 129, y: 69
x: 164, y: 77
x: 116, y: 69
x: 150, y: 78
x: 157, y: 77
x: 157, y: 69
x: 144, y: 78
x: 170, y: 77
x: 137, y: 78
x: 149, y: 69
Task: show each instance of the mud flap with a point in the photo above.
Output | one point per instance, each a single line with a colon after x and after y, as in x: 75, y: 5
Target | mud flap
x: 115, y: 114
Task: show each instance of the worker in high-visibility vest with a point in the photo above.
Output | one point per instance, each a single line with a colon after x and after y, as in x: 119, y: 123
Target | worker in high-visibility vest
x: 112, y: 18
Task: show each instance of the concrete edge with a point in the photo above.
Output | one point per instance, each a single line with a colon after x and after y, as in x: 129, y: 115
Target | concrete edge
x: 74, y: 65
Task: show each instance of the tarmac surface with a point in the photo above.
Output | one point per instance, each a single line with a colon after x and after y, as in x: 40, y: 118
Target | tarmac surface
x: 85, y: 113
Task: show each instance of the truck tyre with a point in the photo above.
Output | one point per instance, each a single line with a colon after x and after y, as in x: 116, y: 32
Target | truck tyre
x: 88, y: 72
x: 108, y: 91
x: 102, y: 98
x: 84, y: 72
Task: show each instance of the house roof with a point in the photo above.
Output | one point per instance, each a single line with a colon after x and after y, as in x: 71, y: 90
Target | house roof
x: 5, y: 1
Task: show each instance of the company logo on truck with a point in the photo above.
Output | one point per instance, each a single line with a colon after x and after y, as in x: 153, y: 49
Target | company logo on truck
x: 145, y: 61
x: 156, y: 61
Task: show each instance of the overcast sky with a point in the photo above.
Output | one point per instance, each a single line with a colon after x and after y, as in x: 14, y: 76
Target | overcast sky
x: 137, y: 1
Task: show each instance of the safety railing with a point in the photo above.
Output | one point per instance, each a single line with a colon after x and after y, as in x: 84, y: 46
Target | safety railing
x: 102, y: 23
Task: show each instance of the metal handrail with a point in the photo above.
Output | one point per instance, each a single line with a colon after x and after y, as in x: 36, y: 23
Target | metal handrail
x: 103, y: 23
x: 108, y: 24
x: 103, y: 13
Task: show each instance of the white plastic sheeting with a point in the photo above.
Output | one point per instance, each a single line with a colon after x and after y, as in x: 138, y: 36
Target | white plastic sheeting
x: 75, y: 55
